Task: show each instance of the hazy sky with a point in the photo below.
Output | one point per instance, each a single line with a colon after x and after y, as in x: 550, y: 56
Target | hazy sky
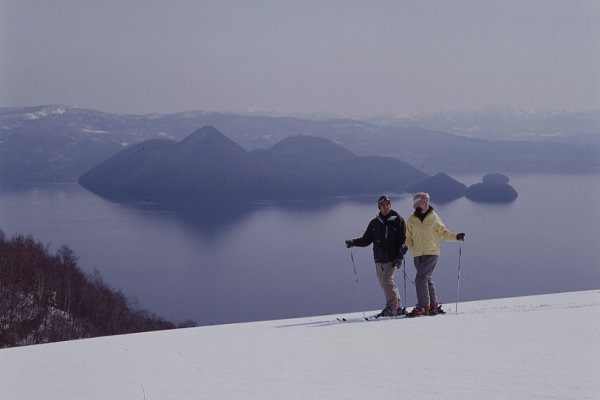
x: 352, y: 58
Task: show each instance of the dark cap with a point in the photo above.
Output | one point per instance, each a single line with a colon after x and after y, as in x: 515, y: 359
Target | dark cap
x: 383, y: 199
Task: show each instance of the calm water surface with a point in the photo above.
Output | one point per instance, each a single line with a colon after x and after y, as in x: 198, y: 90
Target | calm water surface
x: 231, y: 263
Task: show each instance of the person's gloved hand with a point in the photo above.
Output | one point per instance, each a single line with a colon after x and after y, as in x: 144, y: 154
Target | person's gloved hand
x: 460, y: 236
x: 403, y: 250
x: 349, y: 243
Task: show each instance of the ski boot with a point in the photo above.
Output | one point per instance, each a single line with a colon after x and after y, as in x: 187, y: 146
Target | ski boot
x: 419, y: 311
x: 436, y: 309
x: 386, y: 312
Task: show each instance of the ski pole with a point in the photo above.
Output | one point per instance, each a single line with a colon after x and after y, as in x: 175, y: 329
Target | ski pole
x: 458, y: 277
x: 404, y: 270
x: 357, y: 285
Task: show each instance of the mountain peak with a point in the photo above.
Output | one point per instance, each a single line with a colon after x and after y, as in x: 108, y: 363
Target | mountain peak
x: 311, y: 146
x: 209, y: 141
x: 207, y: 133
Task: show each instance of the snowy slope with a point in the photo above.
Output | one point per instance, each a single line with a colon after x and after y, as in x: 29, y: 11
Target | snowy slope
x: 538, y: 347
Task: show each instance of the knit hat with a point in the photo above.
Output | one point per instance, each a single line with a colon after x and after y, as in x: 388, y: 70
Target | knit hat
x: 418, y: 197
x: 383, y: 199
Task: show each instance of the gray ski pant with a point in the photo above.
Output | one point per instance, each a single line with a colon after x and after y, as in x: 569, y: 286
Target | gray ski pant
x: 385, y: 275
x: 423, y: 282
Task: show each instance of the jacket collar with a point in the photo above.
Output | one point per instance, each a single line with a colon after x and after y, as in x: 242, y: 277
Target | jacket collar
x: 392, y: 216
x: 422, y: 215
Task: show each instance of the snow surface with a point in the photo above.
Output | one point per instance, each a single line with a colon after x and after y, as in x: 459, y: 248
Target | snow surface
x: 45, y: 111
x: 537, y: 347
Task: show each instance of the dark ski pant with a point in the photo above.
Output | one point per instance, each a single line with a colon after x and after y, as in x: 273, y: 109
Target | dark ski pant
x: 385, y: 275
x: 423, y: 282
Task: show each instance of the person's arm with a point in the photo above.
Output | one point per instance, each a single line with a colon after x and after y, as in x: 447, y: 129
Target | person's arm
x: 363, y: 241
x: 444, y: 234
x: 409, y: 243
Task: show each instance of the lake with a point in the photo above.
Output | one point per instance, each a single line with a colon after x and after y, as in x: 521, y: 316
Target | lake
x: 233, y: 262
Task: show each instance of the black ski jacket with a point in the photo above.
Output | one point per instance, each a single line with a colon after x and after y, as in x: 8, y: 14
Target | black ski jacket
x: 387, y: 235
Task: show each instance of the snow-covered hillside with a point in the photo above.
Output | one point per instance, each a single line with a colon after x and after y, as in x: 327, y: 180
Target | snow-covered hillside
x: 538, y: 347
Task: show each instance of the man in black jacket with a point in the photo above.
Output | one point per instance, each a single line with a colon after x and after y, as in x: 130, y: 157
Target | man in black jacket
x: 387, y: 232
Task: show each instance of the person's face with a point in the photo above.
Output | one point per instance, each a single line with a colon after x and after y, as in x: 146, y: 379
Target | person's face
x: 424, y: 203
x: 385, y: 207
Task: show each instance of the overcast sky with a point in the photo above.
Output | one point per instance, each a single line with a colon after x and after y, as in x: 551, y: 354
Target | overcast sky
x: 349, y: 58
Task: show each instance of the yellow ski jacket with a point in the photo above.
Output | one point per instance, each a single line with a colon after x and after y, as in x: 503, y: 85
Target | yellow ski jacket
x: 422, y: 237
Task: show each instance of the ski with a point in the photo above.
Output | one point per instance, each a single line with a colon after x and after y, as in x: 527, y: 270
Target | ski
x: 373, y: 317
x: 390, y: 317
x: 366, y: 318
x: 396, y: 316
x: 378, y: 316
x: 343, y: 319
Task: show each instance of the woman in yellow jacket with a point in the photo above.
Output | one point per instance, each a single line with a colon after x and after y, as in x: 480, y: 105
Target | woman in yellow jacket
x: 424, y: 229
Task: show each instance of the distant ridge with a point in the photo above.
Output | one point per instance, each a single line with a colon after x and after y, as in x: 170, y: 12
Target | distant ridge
x: 441, y: 187
x: 207, y: 165
x: 55, y: 143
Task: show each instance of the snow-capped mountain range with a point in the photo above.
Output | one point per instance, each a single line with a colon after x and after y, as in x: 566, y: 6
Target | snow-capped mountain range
x: 58, y: 143
x: 508, y: 122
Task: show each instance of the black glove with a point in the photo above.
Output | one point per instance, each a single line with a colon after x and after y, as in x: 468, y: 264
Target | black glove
x: 349, y: 243
x: 460, y: 236
x: 403, y: 250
